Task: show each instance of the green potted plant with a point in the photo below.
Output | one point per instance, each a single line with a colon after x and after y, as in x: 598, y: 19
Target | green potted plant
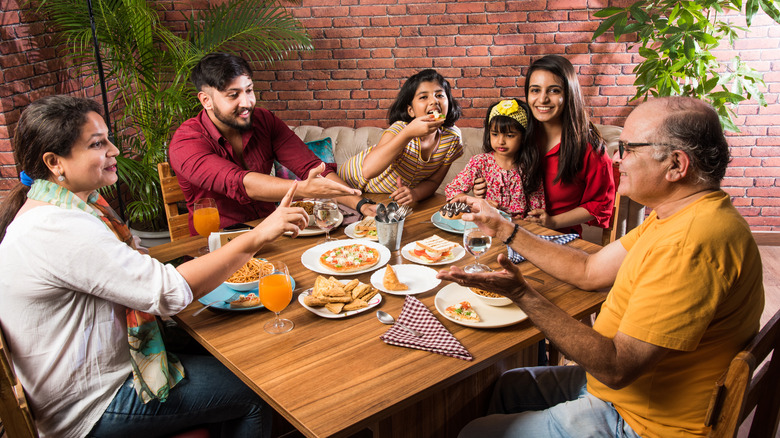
x: 147, y: 66
x: 676, y: 38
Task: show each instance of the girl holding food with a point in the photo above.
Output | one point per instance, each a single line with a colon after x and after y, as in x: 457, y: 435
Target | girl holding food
x: 577, y: 172
x: 78, y: 299
x: 416, y: 151
x: 509, y: 165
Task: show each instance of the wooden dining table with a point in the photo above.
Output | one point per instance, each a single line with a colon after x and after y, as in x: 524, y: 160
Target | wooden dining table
x: 336, y: 377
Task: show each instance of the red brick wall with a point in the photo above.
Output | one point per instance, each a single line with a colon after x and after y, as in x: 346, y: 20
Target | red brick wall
x: 364, y: 49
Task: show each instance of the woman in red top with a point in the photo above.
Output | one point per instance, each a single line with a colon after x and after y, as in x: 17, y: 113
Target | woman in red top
x: 578, y: 182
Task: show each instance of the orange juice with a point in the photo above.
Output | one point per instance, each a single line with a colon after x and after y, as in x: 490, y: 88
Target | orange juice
x: 206, y: 220
x: 275, y: 292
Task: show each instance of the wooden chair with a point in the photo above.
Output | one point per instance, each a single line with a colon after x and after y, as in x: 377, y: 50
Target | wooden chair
x: 15, y: 413
x: 178, y: 226
x: 617, y: 223
x: 743, y: 388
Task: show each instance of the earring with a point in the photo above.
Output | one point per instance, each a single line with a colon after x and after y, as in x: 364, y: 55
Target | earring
x: 61, y: 178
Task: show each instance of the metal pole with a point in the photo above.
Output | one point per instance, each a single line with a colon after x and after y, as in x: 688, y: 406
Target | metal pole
x: 107, y: 115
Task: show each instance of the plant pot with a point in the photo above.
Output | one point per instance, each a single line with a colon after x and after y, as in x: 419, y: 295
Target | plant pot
x: 151, y: 238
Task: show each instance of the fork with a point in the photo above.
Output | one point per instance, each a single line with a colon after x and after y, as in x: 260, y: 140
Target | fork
x: 403, y: 211
x: 227, y: 301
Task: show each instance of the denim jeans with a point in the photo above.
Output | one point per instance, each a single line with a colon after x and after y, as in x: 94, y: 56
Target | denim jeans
x: 547, y: 402
x: 210, y: 395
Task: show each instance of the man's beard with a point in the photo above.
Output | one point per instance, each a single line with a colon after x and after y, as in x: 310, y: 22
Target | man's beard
x: 233, y: 121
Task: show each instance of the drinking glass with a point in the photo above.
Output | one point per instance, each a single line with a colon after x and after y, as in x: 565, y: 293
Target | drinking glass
x: 476, y: 243
x: 275, y: 293
x: 205, y: 219
x: 326, y: 215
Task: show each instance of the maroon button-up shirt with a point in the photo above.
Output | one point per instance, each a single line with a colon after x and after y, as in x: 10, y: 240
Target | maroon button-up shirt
x: 206, y: 168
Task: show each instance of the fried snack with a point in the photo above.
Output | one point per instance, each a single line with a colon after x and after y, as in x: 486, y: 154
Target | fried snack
x: 312, y: 301
x: 251, y: 271
x: 338, y: 297
x: 355, y: 305
x: 334, y: 307
x: 390, y: 280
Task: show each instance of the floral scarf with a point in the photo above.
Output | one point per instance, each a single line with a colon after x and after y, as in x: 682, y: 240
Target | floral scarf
x: 155, y: 371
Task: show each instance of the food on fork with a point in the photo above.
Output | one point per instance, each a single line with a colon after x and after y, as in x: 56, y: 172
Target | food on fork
x: 338, y: 297
x: 463, y: 312
x: 250, y: 300
x: 390, y: 280
x: 366, y: 228
x: 433, y: 249
x: 350, y: 258
x: 454, y: 210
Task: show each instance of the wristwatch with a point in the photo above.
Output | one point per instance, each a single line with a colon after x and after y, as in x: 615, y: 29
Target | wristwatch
x: 362, y: 202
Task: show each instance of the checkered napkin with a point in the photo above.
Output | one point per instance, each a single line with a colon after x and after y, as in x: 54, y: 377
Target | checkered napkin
x: 562, y: 240
x: 436, y: 338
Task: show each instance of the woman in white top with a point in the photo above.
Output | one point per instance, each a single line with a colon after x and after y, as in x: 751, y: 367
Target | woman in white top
x: 73, y: 291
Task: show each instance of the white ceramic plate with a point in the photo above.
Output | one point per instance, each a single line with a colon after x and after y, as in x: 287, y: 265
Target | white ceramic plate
x: 457, y: 253
x: 490, y: 316
x: 311, y: 257
x: 419, y: 279
x: 350, y: 232
x: 453, y: 225
x: 325, y: 313
x: 315, y: 230
x: 223, y: 293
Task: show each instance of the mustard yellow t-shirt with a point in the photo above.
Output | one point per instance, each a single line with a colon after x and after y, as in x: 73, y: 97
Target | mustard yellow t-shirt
x: 692, y: 283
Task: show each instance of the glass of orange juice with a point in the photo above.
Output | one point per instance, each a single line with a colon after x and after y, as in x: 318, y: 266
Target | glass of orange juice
x: 205, y: 218
x: 275, y: 293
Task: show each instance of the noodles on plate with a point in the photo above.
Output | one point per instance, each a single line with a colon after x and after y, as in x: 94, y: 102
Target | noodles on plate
x: 251, y: 271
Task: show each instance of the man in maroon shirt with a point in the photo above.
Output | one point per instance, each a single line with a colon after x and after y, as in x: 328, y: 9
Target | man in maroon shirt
x: 227, y: 151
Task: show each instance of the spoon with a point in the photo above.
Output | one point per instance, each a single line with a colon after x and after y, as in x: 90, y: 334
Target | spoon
x: 381, y: 213
x: 387, y: 318
x: 392, y: 208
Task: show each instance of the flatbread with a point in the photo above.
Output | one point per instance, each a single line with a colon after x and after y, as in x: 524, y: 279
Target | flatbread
x: 350, y: 258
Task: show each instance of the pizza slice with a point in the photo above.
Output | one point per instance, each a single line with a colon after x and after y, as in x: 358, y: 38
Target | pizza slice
x: 463, y: 312
x: 245, y: 301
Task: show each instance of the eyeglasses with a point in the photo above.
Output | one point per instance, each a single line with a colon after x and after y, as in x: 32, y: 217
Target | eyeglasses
x: 624, y: 145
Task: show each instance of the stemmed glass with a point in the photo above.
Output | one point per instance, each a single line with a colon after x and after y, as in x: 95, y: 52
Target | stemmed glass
x: 326, y: 215
x: 205, y: 219
x: 275, y: 293
x: 476, y: 243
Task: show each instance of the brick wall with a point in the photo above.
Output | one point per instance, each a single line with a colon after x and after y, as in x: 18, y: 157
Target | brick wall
x: 364, y: 50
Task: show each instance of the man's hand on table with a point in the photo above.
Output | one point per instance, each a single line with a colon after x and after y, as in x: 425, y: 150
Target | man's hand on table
x: 508, y: 282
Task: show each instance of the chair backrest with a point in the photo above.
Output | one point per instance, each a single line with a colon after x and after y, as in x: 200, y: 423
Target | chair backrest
x: 743, y: 388
x: 178, y: 227
x: 613, y: 231
x: 15, y: 413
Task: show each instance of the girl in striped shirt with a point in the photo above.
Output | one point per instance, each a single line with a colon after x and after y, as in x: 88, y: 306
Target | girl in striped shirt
x: 416, y: 151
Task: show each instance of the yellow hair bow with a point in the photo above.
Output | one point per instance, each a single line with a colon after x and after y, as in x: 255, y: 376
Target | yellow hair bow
x: 511, y: 109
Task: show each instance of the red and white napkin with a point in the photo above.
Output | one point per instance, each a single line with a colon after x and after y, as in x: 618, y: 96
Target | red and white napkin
x: 436, y: 338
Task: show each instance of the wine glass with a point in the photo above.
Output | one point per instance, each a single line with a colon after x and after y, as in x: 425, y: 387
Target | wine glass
x: 205, y: 219
x: 326, y: 215
x: 476, y: 243
x: 275, y: 293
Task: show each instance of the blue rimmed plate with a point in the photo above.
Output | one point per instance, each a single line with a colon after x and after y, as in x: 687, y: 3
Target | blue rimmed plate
x: 223, y: 292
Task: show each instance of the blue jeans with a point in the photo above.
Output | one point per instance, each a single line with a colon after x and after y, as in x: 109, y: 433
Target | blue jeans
x: 547, y: 402
x: 209, y: 395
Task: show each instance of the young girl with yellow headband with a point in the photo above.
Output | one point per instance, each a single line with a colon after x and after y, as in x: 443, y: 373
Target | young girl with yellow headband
x: 508, y: 173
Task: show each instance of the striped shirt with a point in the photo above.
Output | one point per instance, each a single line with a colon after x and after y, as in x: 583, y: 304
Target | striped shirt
x: 409, y: 164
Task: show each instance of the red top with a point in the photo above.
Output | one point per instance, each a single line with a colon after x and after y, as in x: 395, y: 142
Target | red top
x: 206, y: 168
x: 593, y: 188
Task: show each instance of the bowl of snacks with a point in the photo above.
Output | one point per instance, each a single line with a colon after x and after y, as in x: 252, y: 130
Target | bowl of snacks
x: 248, y: 276
x: 309, y: 207
x: 490, y: 298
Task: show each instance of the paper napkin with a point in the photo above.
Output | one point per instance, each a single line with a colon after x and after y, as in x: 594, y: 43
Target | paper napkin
x: 562, y: 240
x: 436, y: 338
